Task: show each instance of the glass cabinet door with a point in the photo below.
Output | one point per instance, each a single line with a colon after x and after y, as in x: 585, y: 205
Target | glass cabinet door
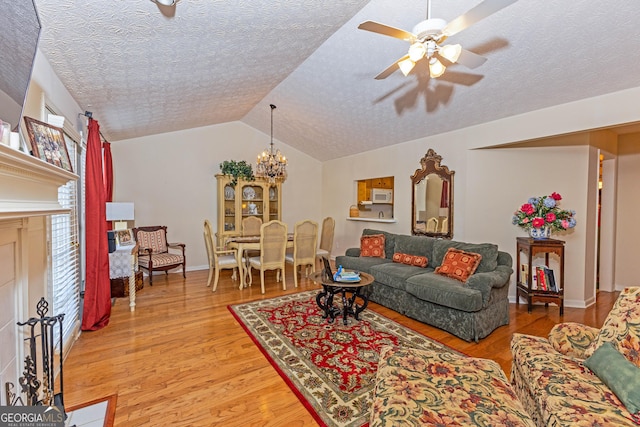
x: 252, y: 200
x: 274, y: 198
x: 229, y: 208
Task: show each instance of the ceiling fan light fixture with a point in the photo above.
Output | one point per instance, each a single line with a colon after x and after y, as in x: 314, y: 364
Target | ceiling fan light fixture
x: 450, y: 52
x: 436, y: 69
x: 417, y: 51
x: 406, y: 66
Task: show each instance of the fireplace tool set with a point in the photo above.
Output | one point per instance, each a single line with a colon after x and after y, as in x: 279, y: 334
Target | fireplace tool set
x: 41, y: 336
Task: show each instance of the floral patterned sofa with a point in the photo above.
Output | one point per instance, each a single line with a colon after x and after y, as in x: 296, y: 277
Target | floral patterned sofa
x: 441, y: 388
x: 583, y: 376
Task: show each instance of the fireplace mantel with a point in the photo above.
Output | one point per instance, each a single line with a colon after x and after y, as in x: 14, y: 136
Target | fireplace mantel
x: 28, y: 185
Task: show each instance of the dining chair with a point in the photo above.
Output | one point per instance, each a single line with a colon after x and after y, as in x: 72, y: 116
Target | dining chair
x: 273, y: 246
x: 305, y: 240
x: 251, y: 226
x: 154, y: 252
x: 432, y: 225
x: 220, y: 258
x: 326, y: 239
x: 445, y: 225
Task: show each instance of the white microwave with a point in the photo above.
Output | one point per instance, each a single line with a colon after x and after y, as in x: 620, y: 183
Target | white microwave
x: 381, y: 195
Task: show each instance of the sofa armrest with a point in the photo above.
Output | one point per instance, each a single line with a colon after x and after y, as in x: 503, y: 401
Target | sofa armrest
x: 492, y: 279
x: 352, y: 252
x: 572, y: 339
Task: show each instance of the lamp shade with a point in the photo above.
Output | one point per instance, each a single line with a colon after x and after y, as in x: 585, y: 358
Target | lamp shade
x: 122, y: 211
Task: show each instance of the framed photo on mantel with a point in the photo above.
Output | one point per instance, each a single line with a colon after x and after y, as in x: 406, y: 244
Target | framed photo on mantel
x: 48, y: 144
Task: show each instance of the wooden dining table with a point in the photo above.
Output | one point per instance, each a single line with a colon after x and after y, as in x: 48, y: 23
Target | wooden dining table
x: 248, y: 243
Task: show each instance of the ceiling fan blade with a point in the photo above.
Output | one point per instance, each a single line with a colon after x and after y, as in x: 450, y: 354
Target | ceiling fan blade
x: 390, y: 69
x: 386, y: 30
x: 470, y: 59
x: 481, y: 11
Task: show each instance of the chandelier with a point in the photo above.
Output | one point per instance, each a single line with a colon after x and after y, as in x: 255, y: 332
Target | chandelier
x: 271, y: 163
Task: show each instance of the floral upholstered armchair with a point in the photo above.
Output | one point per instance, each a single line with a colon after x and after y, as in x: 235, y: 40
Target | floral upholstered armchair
x: 155, y: 254
x: 582, y: 375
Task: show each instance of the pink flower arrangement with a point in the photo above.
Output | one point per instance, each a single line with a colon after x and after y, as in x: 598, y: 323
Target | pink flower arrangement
x: 543, y: 211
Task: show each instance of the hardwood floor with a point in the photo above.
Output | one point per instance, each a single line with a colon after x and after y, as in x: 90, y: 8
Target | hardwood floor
x: 181, y: 359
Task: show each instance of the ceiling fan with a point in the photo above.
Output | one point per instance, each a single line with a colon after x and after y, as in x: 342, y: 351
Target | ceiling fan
x: 427, y: 36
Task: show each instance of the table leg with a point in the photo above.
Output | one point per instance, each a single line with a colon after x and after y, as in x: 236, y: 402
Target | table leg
x: 359, y: 309
x: 325, y: 301
x: 132, y: 285
x: 346, y: 306
x: 241, y: 270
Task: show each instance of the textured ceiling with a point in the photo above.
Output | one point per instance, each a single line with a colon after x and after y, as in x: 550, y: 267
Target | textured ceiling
x: 145, y: 69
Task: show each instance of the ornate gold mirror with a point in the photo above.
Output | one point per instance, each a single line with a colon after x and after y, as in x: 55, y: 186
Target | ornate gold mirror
x: 432, y: 198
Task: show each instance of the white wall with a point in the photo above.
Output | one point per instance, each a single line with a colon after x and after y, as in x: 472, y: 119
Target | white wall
x: 171, y: 179
x: 628, y: 232
x: 503, y: 179
x: 521, y: 174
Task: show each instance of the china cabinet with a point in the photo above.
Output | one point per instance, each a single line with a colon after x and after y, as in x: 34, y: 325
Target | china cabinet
x: 258, y: 198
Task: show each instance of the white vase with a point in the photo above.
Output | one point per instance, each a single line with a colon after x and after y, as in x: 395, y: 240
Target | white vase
x: 540, y: 233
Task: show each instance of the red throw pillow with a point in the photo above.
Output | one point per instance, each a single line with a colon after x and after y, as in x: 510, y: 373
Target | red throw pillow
x: 372, y: 246
x: 459, y: 264
x: 415, y: 260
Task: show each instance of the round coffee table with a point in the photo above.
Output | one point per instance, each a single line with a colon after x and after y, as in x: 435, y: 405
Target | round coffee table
x: 350, y: 307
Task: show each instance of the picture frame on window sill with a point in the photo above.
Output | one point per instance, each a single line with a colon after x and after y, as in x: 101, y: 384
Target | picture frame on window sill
x: 48, y: 144
x: 124, y: 239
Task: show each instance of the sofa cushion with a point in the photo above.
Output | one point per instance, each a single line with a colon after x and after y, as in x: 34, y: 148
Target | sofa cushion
x: 620, y: 375
x: 415, y: 245
x: 393, y: 274
x: 622, y: 326
x: 444, y: 291
x: 360, y: 263
x: 414, y: 260
x: 372, y: 246
x: 459, y: 264
x: 389, y: 240
x: 488, y: 251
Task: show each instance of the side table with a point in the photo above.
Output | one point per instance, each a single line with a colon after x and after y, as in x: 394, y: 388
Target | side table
x: 349, y: 305
x: 524, y: 285
x: 124, y: 263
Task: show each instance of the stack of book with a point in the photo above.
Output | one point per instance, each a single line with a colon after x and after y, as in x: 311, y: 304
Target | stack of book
x: 544, y: 279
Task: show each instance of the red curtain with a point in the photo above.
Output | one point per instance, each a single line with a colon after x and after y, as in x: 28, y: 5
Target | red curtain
x: 97, y: 293
x: 107, y: 175
x: 444, y: 196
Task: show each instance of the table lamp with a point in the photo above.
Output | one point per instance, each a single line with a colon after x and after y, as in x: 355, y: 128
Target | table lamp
x: 121, y: 213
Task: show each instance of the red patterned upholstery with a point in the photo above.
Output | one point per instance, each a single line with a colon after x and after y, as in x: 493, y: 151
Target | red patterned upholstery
x: 154, y: 254
x: 156, y: 240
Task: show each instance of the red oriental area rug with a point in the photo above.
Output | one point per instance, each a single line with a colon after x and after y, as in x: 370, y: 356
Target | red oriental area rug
x: 330, y: 367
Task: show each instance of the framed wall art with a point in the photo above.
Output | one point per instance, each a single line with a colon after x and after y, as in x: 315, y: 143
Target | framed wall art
x: 124, y: 239
x: 47, y: 143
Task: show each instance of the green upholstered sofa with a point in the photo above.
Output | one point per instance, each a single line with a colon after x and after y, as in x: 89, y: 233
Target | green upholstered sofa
x: 470, y: 310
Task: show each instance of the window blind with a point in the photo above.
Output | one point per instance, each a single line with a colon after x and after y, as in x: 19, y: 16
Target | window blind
x: 65, y: 251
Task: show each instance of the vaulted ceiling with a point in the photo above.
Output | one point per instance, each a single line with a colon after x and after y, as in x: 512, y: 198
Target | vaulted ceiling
x: 145, y: 69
